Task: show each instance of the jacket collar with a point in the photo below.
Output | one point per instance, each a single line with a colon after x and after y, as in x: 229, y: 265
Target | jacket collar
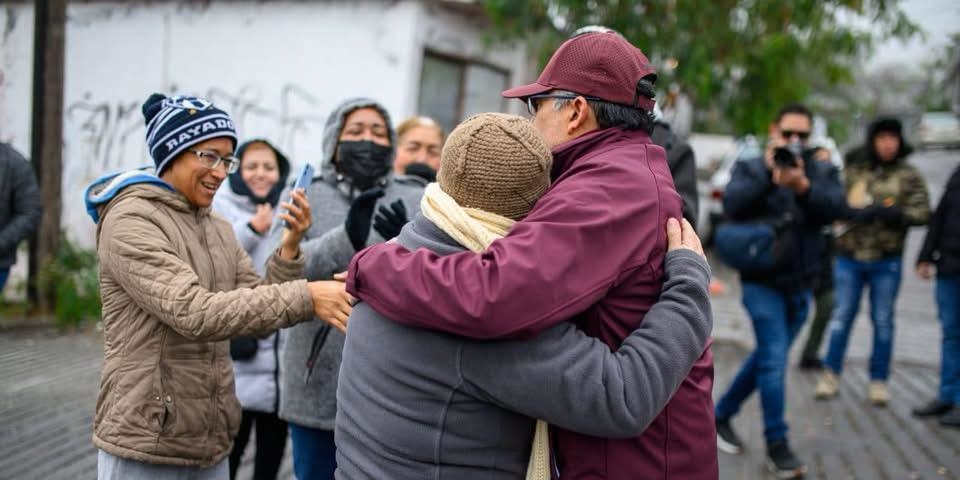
x: 423, y: 233
x: 566, y: 154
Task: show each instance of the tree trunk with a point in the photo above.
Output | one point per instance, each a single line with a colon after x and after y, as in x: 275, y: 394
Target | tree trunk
x: 47, y: 140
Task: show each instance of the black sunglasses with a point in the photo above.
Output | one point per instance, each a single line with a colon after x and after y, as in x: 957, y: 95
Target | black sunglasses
x: 791, y: 133
x: 533, y: 105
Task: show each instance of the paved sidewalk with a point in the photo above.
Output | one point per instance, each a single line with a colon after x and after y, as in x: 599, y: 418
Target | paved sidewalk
x: 847, y: 438
x: 50, y: 382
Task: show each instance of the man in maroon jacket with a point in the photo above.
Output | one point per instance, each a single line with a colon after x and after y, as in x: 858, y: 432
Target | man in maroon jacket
x: 591, y: 251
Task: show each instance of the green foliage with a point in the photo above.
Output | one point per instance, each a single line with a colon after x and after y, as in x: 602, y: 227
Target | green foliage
x: 935, y: 94
x: 73, y: 276
x: 743, y: 58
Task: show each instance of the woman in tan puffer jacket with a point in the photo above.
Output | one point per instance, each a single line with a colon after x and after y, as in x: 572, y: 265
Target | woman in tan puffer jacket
x: 175, y: 285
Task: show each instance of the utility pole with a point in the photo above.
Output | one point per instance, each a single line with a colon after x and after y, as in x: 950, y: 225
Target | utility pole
x: 46, y: 150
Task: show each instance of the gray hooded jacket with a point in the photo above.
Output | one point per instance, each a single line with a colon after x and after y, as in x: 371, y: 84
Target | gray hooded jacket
x: 422, y: 404
x: 328, y: 250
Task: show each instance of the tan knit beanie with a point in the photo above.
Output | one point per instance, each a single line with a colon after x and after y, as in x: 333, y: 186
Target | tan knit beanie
x: 497, y: 163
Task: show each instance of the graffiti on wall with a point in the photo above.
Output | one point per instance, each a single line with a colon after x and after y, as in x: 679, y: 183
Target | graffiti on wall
x: 108, y: 135
x: 296, y: 121
x: 103, y: 133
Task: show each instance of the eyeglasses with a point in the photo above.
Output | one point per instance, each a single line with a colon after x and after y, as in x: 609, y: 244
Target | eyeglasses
x: 212, y: 160
x: 788, y: 134
x: 533, y: 105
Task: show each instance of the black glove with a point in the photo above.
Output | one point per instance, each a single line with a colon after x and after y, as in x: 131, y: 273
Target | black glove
x: 890, y: 216
x: 359, y: 217
x: 389, y: 221
x: 421, y: 170
x: 861, y: 215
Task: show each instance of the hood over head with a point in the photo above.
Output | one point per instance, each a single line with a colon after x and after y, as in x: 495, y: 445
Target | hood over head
x: 334, y: 125
x: 238, y: 186
x: 887, y: 124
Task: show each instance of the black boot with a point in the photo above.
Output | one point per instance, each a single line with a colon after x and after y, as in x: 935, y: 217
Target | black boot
x: 951, y: 418
x: 782, y: 462
x: 933, y: 409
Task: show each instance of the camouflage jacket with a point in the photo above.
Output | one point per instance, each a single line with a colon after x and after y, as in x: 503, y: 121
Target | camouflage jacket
x: 894, y: 184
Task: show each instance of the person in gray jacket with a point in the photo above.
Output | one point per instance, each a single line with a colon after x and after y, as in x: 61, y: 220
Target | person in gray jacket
x: 420, y: 404
x: 248, y: 200
x: 20, y: 206
x: 354, y: 180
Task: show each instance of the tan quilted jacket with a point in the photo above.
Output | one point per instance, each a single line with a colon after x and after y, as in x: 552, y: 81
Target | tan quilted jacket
x: 175, y: 285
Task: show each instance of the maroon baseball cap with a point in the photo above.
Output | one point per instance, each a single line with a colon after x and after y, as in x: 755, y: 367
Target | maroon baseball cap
x: 600, y: 64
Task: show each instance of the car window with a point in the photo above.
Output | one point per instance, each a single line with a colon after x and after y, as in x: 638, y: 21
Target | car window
x: 941, y: 120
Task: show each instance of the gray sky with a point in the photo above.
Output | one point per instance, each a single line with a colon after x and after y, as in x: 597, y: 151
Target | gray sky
x: 939, y: 18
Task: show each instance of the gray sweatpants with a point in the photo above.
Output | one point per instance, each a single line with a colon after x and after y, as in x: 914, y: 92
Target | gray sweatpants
x: 112, y: 467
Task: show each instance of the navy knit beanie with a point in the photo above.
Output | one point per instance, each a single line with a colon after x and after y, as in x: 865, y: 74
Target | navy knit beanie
x: 176, y: 123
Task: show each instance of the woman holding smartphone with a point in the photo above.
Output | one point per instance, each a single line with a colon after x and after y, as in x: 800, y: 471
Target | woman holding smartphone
x: 176, y: 284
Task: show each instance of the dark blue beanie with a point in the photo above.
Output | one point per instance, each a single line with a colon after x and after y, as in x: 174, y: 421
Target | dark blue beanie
x: 176, y: 123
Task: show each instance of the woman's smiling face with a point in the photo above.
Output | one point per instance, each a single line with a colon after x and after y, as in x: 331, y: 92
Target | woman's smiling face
x: 192, y: 176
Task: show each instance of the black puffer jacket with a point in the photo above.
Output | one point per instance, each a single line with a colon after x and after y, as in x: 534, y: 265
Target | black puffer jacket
x: 20, y: 206
x: 942, y: 244
x: 752, y: 195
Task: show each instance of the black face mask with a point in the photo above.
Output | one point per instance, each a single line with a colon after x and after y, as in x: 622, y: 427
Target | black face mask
x: 364, y: 162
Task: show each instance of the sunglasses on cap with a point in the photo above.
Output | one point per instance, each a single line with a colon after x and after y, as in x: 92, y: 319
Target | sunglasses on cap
x: 792, y: 133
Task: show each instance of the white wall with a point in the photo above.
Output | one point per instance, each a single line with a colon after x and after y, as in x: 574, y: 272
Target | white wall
x: 276, y: 67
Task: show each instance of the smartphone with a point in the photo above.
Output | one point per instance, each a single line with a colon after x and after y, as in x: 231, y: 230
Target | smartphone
x: 304, y: 178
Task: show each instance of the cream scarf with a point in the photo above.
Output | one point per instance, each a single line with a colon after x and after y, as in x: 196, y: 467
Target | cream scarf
x: 476, y: 230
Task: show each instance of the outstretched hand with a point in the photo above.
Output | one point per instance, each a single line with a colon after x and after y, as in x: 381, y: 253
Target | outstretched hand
x: 331, y: 302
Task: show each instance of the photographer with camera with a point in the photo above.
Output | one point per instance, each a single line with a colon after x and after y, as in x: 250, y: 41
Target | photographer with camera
x: 787, y: 183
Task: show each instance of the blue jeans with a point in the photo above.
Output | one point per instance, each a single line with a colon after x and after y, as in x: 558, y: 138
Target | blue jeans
x: 948, y: 307
x: 776, y: 317
x: 4, y: 275
x: 850, y: 276
x: 314, y: 453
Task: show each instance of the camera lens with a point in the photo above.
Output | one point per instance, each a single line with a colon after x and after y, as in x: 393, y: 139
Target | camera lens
x: 783, y: 157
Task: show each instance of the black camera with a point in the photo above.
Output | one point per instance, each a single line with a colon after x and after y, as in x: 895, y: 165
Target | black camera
x: 786, y: 157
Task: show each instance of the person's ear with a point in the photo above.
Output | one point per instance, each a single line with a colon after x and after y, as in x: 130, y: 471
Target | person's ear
x: 579, y: 114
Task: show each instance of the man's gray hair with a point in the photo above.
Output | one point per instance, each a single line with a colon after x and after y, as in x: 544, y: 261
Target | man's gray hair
x: 611, y: 114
